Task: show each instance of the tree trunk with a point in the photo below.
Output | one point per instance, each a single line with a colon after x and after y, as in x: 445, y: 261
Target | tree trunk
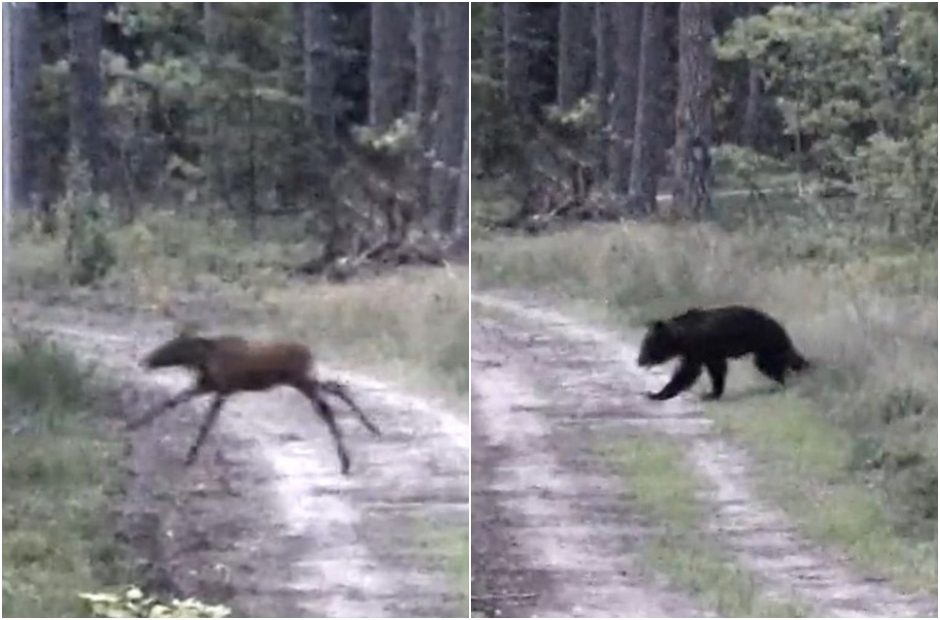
x: 24, y: 76
x: 319, y: 73
x: 462, y: 223
x: 574, y: 53
x: 750, y: 128
x: 320, y: 119
x: 386, y: 71
x: 516, y: 55
x: 623, y: 106
x: 493, y: 43
x: 694, y: 111
x: 216, y: 147
x: 7, y: 44
x: 85, y: 119
x: 427, y: 49
x: 603, y: 75
x: 649, y: 142
x: 452, y: 111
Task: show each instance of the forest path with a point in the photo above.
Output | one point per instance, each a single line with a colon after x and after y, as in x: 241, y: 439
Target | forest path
x: 264, y: 520
x: 577, y: 384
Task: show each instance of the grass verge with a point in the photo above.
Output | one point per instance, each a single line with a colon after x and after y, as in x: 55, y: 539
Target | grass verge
x: 60, y: 465
x: 451, y: 546
x: 665, y: 492
x: 801, y: 461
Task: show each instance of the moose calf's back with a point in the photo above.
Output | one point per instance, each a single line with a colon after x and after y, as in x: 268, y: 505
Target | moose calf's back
x: 238, y: 364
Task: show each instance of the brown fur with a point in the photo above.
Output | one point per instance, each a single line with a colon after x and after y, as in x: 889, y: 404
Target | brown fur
x: 229, y: 364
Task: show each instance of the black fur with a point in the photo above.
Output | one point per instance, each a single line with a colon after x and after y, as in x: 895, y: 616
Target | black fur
x: 708, y: 338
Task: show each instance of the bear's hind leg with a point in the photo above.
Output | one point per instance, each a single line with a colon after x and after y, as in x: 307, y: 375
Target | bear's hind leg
x: 774, y: 365
x: 717, y: 370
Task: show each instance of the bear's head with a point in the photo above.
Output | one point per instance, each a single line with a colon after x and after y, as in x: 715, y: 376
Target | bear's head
x: 660, y: 344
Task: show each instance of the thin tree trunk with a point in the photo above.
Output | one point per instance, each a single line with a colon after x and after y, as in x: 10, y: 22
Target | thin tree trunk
x: 7, y: 43
x: 452, y: 107
x: 427, y: 48
x: 649, y: 143
x: 750, y: 128
x: 85, y: 118
x: 694, y: 111
x: 319, y: 72
x: 24, y: 76
x: 493, y: 44
x: 574, y: 59
x: 516, y: 55
x: 212, y: 31
x: 462, y: 222
x: 623, y: 107
x: 386, y: 76
x: 603, y: 76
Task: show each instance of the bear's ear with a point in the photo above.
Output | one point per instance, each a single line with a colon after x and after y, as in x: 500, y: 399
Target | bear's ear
x: 657, y: 325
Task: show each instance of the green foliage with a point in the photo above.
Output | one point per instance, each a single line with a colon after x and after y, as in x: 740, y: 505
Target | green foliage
x: 88, y: 249
x: 46, y: 384
x: 131, y: 603
x: 396, y: 140
x: 584, y: 115
x: 858, y: 84
x: 60, y: 468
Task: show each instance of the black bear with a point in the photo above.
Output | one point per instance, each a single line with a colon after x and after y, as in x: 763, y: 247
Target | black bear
x: 709, y: 337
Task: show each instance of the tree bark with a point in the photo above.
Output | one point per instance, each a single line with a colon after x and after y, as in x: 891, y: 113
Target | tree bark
x: 750, y: 128
x: 452, y: 111
x: 85, y: 118
x: 574, y: 53
x: 603, y: 75
x: 319, y: 73
x: 24, y: 77
x: 694, y: 111
x: 493, y: 44
x: 427, y: 50
x: 386, y: 71
x: 623, y: 106
x: 651, y: 116
x: 516, y: 55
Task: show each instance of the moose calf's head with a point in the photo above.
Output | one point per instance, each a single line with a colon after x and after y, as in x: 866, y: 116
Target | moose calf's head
x: 186, y: 349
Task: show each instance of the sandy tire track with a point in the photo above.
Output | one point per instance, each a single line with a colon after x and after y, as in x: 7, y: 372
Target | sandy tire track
x: 553, y: 535
x: 278, y: 530
x: 594, y: 373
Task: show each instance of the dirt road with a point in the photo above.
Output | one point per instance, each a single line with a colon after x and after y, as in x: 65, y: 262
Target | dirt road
x: 552, y: 529
x: 264, y: 521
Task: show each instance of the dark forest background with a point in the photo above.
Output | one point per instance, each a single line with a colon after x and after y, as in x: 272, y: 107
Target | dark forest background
x: 349, y: 120
x: 593, y: 109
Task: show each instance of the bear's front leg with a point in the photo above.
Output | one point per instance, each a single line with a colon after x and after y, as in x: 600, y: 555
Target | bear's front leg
x: 685, y: 376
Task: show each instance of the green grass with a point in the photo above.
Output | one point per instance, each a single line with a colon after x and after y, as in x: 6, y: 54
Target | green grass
x: 60, y: 464
x: 662, y: 488
x: 803, y: 464
x: 452, y: 545
x: 864, y: 313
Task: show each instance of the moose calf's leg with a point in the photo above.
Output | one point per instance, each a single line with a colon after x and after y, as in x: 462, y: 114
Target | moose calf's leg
x: 207, y: 425
x: 170, y: 403
x: 311, y: 390
x: 683, y: 379
x: 337, y: 389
